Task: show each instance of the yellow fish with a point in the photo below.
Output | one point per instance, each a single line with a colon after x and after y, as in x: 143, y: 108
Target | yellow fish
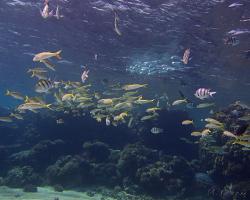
x: 33, y: 106
x: 15, y: 95
x: 17, y: 116
x: 133, y: 86
x: 213, y: 121
x: 5, y: 119
x: 242, y: 143
x: 205, y: 132
x: 196, y: 133
x: 39, y: 75
x: 68, y: 97
x: 178, y: 102
x: 48, y: 64
x: 120, y: 116
x: 39, y: 70
x: 187, y: 122
x: 205, y: 105
x: 229, y: 134
x: 105, y: 101
x: 152, y: 110
x: 149, y: 117
x: 143, y: 101
x: 46, y: 55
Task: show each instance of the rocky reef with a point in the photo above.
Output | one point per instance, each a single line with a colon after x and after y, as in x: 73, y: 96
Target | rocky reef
x: 221, y: 169
x: 227, y: 159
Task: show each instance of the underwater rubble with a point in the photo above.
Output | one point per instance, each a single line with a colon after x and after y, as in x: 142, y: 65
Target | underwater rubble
x: 221, y: 170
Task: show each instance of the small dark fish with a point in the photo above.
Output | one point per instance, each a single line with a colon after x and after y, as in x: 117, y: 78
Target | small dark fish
x: 181, y: 94
x: 105, y: 81
x: 242, y: 129
x: 43, y: 86
x: 230, y: 40
x: 190, y: 104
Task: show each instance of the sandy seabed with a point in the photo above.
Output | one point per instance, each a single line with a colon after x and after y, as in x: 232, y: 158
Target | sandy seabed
x: 44, y: 193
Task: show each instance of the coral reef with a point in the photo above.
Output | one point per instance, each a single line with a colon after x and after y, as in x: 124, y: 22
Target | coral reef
x: 69, y: 171
x: 171, y: 176
x: 133, y: 157
x: 222, y: 168
x: 39, y: 155
x: 97, y: 151
x: 21, y: 176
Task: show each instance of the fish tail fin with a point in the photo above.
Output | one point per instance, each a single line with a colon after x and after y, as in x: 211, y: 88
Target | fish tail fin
x: 26, y: 99
x: 49, y: 106
x: 7, y: 92
x: 212, y: 93
x: 74, y: 97
x: 145, y: 85
x: 32, y: 75
x: 58, y: 54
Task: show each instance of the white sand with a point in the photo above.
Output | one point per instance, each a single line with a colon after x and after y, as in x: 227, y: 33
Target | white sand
x: 43, y: 193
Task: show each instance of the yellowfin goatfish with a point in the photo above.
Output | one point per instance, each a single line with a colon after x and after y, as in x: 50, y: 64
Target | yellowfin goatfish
x: 45, y: 13
x: 186, y: 56
x: 205, y: 105
x: 187, y: 122
x: 213, y: 121
x: 130, y: 122
x: 143, y: 101
x: 152, y: 110
x: 244, y: 118
x: 57, y: 15
x: 149, y: 117
x: 68, y: 97
x: 116, y: 25
x: 46, y: 55
x: 178, y: 102
x: 156, y: 130
x: 84, y: 75
x: 120, y: 116
x: 43, y: 86
x: 17, y: 116
x: 39, y: 70
x: 33, y: 106
x: 48, y: 64
x: 15, y: 95
x: 205, y: 132
x: 196, y: 134
x: 123, y: 105
x: 229, y: 134
x: 33, y: 100
x: 242, y: 143
x: 133, y: 86
x: 5, y: 119
x: 105, y: 101
x: 107, y: 121
x: 39, y: 75
x: 214, y: 126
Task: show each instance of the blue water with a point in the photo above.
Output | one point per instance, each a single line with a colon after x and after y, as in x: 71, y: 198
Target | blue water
x: 155, y: 35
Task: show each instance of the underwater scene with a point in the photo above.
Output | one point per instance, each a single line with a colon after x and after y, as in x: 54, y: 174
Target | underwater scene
x: 124, y: 100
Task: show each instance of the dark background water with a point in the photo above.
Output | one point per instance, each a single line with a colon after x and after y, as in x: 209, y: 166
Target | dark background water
x: 152, y: 33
